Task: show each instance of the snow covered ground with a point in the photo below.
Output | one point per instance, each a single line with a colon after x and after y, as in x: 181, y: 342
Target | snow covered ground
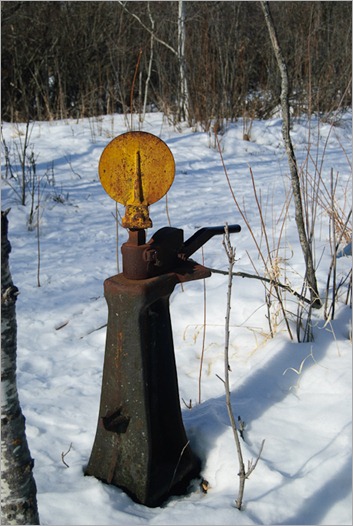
x: 295, y: 396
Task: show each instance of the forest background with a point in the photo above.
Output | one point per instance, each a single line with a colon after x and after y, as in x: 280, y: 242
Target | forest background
x: 195, y: 61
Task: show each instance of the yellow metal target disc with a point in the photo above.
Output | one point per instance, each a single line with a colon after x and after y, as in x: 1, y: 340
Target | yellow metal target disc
x: 136, y: 169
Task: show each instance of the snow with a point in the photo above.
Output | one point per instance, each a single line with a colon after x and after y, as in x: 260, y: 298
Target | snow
x: 295, y: 396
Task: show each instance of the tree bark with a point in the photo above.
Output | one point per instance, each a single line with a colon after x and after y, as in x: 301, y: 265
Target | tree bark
x: 184, y: 94
x: 299, y: 216
x: 18, y: 488
x: 150, y: 62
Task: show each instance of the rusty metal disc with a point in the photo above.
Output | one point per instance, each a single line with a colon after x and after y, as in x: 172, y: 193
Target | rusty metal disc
x: 136, y: 168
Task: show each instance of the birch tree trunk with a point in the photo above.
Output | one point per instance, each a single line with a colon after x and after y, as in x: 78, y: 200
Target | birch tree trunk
x: 150, y: 62
x: 179, y: 52
x: 18, y: 488
x: 299, y: 216
x: 184, y: 95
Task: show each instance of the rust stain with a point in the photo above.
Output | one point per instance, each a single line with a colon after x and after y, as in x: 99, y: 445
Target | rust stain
x: 119, y: 345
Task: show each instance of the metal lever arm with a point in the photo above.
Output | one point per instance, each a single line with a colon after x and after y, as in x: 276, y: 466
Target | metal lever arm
x: 202, y: 236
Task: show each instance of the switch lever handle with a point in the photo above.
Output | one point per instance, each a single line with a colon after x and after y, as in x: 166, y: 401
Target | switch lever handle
x: 201, y: 237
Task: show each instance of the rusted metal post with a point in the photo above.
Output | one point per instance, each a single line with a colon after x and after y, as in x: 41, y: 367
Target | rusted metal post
x: 141, y: 444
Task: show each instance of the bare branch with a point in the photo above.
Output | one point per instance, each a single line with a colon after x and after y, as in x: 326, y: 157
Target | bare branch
x: 252, y: 466
x: 267, y: 280
x: 243, y: 475
x: 63, y: 455
x: 148, y: 29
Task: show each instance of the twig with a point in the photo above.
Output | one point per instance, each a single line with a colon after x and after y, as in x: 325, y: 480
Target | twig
x: 94, y: 330
x: 38, y: 228
x: 243, y: 474
x: 230, y: 251
x: 63, y: 455
x: 176, y: 467
x: 219, y: 378
x: 68, y: 160
x: 267, y: 280
x: 61, y: 325
x: 189, y: 405
x: 167, y: 210
x: 133, y: 84
x: 252, y: 466
x: 204, y: 328
x: 333, y: 264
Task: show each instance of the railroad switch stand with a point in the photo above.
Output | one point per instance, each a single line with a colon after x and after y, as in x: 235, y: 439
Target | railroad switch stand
x: 140, y: 443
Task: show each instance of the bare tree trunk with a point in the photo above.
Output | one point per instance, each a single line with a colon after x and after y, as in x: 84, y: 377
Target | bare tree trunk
x: 18, y: 488
x: 150, y: 62
x: 299, y: 217
x: 184, y: 95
